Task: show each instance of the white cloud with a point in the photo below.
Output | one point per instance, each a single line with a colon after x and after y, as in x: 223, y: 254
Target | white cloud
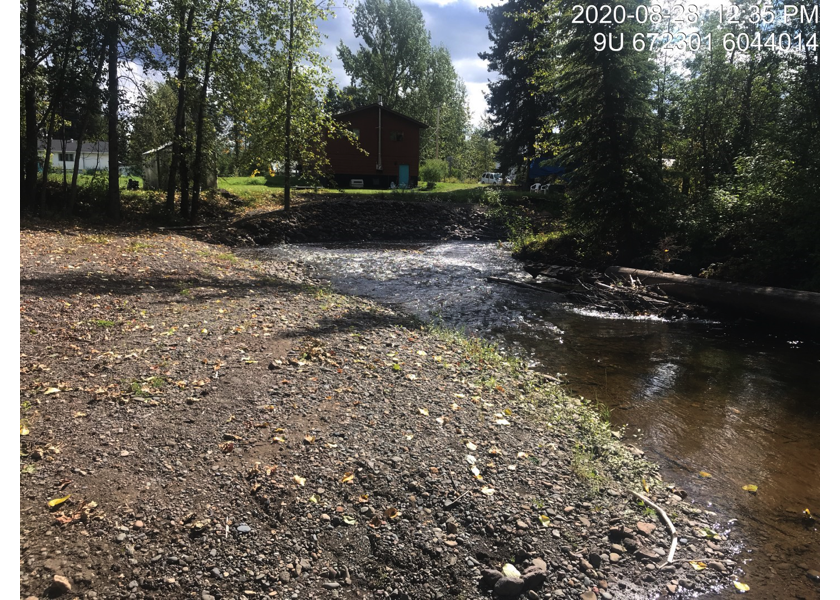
x: 475, y: 96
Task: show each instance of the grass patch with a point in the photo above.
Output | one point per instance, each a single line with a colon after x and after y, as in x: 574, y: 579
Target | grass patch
x: 95, y: 239
x: 104, y: 323
x: 138, y: 246
x: 228, y: 256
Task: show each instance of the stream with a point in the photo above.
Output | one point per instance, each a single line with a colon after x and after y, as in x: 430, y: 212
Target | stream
x: 733, y: 401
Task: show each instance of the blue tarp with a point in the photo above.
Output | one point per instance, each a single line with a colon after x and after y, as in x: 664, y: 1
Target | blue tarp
x: 543, y: 167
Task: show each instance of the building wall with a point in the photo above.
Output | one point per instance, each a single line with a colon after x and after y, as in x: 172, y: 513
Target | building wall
x: 349, y: 163
x: 88, y: 160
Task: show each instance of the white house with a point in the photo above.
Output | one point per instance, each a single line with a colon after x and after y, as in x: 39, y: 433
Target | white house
x: 94, y: 155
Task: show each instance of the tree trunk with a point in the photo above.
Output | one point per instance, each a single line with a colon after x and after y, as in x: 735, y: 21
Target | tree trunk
x: 180, y: 119
x: 198, y: 165
x: 791, y: 305
x: 185, y: 182
x: 42, y: 195
x: 287, y: 190
x: 113, y: 120
x: 30, y: 150
x: 89, y: 108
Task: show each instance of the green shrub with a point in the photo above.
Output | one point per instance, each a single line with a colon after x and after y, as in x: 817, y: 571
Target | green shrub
x: 433, y: 170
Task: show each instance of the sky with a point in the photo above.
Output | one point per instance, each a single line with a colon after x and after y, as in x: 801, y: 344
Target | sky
x: 458, y: 25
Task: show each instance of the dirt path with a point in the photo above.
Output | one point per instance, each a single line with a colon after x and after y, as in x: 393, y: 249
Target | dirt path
x: 224, y: 428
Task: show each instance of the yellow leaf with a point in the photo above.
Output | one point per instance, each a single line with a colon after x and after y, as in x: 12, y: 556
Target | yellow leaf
x: 440, y: 420
x: 508, y: 412
x: 471, y: 446
x: 521, y: 455
x: 24, y: 430
x: 314, y: 498
x: 57, y: 501
x: 471, y: 459
x: 309, y: 439
x: 645, y: 485
x: 704, y: 474
x: 363, y: 498
x: 424, y: 411
x: 476, y: 472
x: 301, y: 481
x: 545, y: 520
x: 349, y: 520
x: 348, y: 477
x: 502, y: 422
x: 698, y: 566
x: 454, y: 406
x: 392, y: 513
x: 750, y: 488
x: 487, y: 490
x: 79, y: 414
x: 741, y: 587
x: 51, y: 390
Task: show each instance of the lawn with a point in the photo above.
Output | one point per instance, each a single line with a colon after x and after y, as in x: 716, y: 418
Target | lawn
x: 256, y: 188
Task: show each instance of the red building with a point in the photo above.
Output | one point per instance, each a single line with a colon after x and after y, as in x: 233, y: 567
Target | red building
x: 392, y: 141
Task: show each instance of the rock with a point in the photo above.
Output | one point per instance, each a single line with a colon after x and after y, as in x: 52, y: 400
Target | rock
x: 509, y: 587
x: 672, y: 589
x: 534, y: 578
x: 717, y: 566
x: 813, y: 575
x: 490, y: 576
x: 205, y: 595
x: 60, y: 585
x: 617, y: 548
x: 522, y: 524
x: 647, y: 553
x: 139, y: 524
x: 646, y: 528
x: 632, y: 544
x: 614, y: 557
x: 243, y: 528
x: 595, y: 560
x: 588, y: 596
x: 540, y: 564
x: 331, y: 585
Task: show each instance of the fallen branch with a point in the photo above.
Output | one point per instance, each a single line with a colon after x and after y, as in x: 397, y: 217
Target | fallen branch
x: 527, y: 286
x: 667, y: 522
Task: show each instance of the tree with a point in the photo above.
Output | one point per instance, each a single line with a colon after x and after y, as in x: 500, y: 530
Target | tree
x: 514, y: 103
x: 601, y: 126
x: 398, y: 64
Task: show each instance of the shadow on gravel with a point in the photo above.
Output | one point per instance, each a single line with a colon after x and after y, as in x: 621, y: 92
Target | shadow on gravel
x: 357, y: 320
x: 124, y: 285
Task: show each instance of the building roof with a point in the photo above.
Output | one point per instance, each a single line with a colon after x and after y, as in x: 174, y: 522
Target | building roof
x: 386, y: 109
x: 70, y: 146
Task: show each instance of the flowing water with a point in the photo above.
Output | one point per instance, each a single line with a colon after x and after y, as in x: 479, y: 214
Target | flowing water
x: 738, y: 403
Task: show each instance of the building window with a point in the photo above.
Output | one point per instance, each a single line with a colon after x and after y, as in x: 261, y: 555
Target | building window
x: 65, y: 157
x: 396, y: 136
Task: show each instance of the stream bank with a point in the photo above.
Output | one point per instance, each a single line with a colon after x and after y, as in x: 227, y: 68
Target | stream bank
x: 222, y: 427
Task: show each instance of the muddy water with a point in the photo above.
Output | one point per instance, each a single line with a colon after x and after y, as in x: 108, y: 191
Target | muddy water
x: 737, y: 403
